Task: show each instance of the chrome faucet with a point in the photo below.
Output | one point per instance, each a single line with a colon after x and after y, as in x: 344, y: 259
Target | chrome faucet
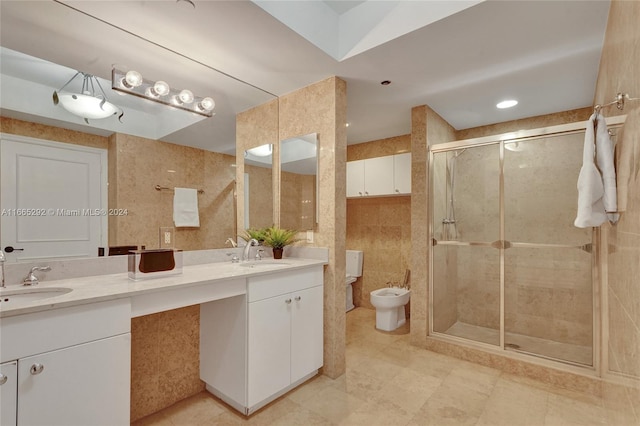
x: 247, y: 248
x: 31, y: 278
x: 2, y: 260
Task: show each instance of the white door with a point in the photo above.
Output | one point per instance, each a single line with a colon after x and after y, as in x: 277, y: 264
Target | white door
x: 54, y: 199
x: 8, y: 393
x: 81, y: 385
x: 306, y: 332
x: 269, y: 347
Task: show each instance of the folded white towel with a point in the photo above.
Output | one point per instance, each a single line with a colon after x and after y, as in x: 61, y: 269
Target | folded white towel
x: 185, y: 207
x: 591, y: 210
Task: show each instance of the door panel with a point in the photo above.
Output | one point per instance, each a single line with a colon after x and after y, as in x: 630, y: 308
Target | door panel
x: 53, y: 199
x: 306, y: 332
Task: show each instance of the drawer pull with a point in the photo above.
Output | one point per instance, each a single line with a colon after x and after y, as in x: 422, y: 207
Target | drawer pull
x: 36, y: 369
x: 287, y: 301
x: 3, y: 379
x: 298, y: 298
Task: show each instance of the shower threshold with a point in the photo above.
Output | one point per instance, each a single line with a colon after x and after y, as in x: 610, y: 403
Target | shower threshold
x: 577, y: 354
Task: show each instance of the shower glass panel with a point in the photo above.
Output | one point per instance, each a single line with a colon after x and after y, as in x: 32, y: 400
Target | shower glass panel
x: 466, y: 224
x: 548, y: 262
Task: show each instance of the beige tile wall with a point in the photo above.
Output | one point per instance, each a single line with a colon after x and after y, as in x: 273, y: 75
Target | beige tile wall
x: 260, y: 196
x: 619, y: 72
x: 138, y: 164
x: 297, y: 201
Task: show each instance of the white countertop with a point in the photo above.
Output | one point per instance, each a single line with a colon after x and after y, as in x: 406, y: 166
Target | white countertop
x: 117, y: 286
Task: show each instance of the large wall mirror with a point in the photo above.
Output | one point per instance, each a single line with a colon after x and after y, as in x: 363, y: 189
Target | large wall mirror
x: 39, y: 55
x: 299, y: 182
x: 258, y: 186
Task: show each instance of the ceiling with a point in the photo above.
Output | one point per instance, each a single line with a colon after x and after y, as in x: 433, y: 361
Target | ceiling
x: 460, y: 58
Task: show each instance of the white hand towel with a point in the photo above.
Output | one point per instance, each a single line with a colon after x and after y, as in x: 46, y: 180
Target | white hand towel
x: 604, y: 156
x: 590, y: 187
x: 185, y: 207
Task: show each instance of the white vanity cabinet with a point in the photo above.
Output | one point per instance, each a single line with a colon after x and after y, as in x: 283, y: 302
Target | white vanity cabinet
x: 379, y: 176
x: 8, y: 392
x: 275, y: 343
x: 72, y: 364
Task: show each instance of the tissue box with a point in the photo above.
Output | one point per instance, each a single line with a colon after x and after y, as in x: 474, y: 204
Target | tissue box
x: 144, y: 264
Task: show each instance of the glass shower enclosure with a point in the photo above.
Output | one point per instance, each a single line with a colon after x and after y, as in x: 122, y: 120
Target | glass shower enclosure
x: 508, y: 268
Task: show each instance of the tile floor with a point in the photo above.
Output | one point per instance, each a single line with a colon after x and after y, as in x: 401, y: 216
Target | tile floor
x: 388, y: 383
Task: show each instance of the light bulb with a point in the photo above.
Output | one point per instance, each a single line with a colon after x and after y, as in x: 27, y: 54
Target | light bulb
x: 160, y: 88
x: 207, y: 104
x: 132, y: 79
x: 185, y: 97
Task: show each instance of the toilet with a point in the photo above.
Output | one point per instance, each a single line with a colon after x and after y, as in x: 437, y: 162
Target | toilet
x: 389, y: 303
x: 354, y: 270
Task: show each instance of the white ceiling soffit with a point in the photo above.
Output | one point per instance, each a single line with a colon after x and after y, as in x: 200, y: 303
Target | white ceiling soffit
x: 343, y: 31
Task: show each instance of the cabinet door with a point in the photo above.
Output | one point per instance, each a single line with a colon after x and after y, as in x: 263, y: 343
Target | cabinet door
x: 402, y: 173
x: 378, y: 176
x: 8, y: 393
x: 84, y: 385
x: 306, y: 332
x: 269, y: 347
x: 355, y: 178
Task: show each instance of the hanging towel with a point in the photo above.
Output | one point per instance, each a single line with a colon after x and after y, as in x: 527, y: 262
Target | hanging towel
x: 628, y: 156
x: 591, y: 210
x: 604, y: 158
x: 185, y: 208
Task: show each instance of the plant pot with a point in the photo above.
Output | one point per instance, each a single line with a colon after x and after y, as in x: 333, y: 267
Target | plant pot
x: 277, y: 253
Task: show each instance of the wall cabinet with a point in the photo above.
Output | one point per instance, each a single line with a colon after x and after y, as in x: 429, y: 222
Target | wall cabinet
x: 381, y: 176
x: 50, y: 382
x: 275, y: 344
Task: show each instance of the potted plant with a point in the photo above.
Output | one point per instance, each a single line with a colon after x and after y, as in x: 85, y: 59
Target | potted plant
x: 257, y: 234
x: 278, y: 238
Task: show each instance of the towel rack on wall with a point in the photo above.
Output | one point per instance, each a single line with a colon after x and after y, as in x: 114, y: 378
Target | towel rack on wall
x: 164, y: 188
x: 619, y: 101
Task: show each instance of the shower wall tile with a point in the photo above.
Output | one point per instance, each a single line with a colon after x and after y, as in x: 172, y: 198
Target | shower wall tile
x: 571, y: 116
x: 619, y: 70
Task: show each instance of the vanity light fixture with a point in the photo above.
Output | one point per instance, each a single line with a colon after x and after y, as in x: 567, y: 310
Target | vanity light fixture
x: 90, y: 102
x: 132, y: 82
x: 262, y: 150
x: 507, y: 104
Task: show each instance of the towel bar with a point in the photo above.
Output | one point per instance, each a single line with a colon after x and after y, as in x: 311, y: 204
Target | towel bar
x: 164, y: 188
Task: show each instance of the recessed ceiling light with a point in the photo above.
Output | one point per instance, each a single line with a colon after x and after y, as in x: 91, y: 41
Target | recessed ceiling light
x: 347, y: 125
x: 385, y: 82
x: 507, y: 104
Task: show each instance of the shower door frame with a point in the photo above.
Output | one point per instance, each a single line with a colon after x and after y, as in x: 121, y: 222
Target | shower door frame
x: 598, y: 278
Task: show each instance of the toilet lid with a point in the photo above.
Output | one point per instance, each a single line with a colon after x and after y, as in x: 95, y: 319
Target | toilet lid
x: 349, y: 279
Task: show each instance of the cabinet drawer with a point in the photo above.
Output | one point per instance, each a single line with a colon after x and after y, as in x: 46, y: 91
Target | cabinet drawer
x: 272, y: 285
x: 31, y: 334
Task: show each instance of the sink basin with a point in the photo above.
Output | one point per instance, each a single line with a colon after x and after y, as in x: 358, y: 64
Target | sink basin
x: 263, y: 264
x: 25, y: 295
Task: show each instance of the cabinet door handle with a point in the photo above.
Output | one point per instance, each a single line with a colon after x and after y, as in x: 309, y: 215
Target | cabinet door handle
x: 287, y: 301
x: 36, y: 369
x: 359, y: 193
x: 298, y: 298
x: 3, y: 379
x: 366, y: 193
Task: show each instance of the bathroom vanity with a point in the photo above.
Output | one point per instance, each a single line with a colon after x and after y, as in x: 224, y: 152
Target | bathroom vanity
x: 65, y: 359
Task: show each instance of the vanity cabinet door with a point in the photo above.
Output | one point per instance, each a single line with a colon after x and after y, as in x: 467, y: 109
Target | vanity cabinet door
x: 306, y: 332
x: 87, y: 384
x: 8, y: 393
x: 269, y: 340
